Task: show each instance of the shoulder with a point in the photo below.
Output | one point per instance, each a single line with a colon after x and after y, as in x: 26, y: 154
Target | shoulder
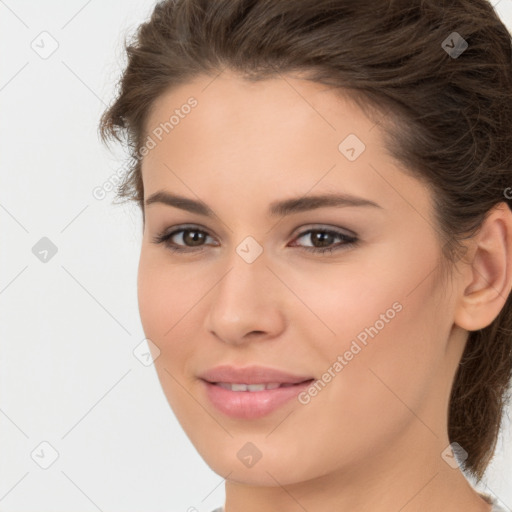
x: 495, y: 506
x: 498, y: 508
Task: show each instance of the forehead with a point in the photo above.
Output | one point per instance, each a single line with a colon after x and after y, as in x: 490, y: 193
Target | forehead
x: 275, y: 136
x: 234, y: 120
x: 283, y: 102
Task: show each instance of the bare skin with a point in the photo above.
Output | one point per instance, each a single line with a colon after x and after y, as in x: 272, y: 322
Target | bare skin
x: 372, y: 439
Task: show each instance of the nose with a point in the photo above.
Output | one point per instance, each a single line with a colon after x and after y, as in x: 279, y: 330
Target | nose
x: 246, y: 304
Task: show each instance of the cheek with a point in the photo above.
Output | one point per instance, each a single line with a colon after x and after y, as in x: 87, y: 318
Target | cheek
x: 374, y: 390
x: 151, y: 302
x: 398, y: 365
x: 338, y: 302
x: 163, y: 304
x: 385, y: 330
x: 163, y: 290
x: 162, y: 299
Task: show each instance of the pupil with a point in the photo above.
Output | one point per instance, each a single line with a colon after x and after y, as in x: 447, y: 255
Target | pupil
x: 322, y: 236
x: 197, y: 238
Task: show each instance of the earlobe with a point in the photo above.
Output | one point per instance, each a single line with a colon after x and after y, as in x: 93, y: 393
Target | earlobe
x: 489, y: 271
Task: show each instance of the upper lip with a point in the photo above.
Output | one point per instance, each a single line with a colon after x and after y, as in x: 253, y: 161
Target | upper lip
x: 251, y: 375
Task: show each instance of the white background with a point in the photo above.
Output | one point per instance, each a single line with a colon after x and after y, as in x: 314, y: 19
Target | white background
x: 70, y: 325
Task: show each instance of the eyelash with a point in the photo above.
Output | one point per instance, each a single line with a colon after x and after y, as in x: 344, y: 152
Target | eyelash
x: 349, y: 241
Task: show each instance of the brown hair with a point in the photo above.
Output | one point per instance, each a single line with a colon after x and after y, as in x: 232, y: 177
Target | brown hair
x: 447, y: 117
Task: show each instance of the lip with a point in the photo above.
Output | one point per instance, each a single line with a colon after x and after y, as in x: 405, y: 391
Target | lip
x: 251, y: 375
x: 251, y: 404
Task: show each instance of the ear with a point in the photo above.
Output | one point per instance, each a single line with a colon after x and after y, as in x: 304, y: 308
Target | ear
x: 487, y: 279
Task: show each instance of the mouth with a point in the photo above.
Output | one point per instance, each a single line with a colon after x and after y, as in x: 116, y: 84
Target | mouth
x: 251, y: 401
x: 232, y: 386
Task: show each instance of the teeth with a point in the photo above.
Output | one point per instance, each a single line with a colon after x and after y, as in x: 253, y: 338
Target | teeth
x: 248, y: 387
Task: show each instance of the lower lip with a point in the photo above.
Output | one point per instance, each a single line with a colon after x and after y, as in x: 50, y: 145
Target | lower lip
x: 251, y: 404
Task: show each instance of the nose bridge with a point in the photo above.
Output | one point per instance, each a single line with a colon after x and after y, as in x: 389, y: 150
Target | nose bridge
x: 242, y: 301
x: 247, y: 273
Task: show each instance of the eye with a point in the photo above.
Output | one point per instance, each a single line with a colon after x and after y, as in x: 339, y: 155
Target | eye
x: 191, y: 239
x: 191, y: 235
x: 325, y: 237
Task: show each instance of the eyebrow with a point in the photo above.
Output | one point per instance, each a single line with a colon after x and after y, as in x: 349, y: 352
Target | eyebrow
x: 276, y: 209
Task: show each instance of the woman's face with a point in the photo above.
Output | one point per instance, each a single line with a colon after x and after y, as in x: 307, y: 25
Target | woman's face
x: 371, y: 322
